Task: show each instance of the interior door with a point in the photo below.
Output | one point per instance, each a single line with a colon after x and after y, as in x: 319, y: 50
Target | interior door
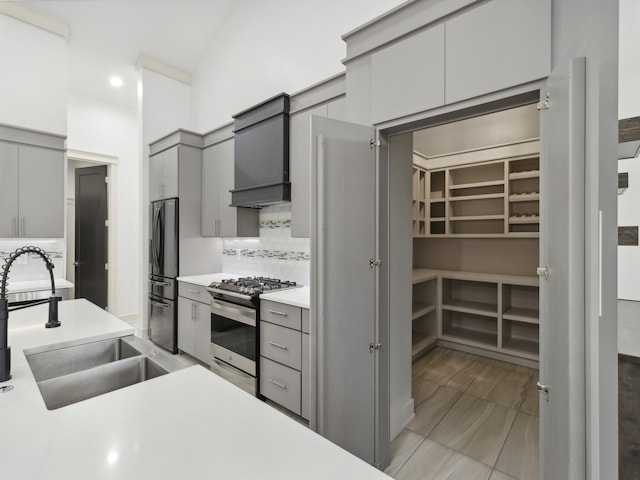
x: 91, y: 235
x: 562, y: 364
x: 343, y: 302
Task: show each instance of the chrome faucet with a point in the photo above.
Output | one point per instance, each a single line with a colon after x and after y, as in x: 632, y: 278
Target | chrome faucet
x: 5, y: 350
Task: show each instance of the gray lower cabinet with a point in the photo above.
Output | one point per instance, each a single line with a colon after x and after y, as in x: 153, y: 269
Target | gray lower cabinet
x: 284, y: 356
x: 219, y: 218
x: 32, y: 186
x: 194, y: 324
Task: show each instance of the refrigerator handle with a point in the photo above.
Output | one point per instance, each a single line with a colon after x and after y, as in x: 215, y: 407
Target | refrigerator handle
x: 155, y: 238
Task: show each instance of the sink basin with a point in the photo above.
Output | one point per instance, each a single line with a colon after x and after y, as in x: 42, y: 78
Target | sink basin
x: 63, y: 361
x: 71, y: 374
x: 64, y: 390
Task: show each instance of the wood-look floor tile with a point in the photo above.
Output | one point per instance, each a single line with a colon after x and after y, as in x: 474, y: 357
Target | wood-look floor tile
x: 433, y: 357
x: 451, y: 369
x: 531, y: 404
x: 498, y: 475
x: 506, y: 386
x: 433, y: 461
x: 436, y: 402
x: 520, y: 454
x: 475, y: 427
x: 402, y: 448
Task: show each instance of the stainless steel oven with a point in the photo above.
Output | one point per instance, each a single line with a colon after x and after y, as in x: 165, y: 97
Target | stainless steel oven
x: 234, y: 342
x: 234, y: 328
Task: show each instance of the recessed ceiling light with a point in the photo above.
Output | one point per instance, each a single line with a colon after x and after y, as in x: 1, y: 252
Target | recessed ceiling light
x: 116, y: 81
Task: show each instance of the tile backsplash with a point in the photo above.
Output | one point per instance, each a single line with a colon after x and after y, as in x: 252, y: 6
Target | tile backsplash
x: 30, y: 266
x: 274, y: 254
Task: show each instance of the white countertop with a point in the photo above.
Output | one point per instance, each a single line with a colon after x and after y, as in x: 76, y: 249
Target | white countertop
x: 35, y: 285
x: 188, y: 424
x: 206, y: 279
x: 298, y: 297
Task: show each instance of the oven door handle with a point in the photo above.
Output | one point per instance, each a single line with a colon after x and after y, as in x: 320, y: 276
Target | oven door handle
x: 236, y: 312
x: 159, y: 304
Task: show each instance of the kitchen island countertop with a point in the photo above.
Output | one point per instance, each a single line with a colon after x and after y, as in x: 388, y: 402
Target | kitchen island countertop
x: 187, y: 424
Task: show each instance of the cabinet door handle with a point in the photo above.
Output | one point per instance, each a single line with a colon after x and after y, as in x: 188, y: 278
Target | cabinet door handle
x: 193, y: 311
x: 275, y: 312
x: 194, y: 291
x: 278, y: 384
x: 283, y: 347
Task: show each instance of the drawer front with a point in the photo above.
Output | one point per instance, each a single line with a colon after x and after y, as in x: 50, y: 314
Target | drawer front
x: 280, y: 384
x: 194, y: 292
x: 281, y: 344
x: 281, y: 314
x: 306, y: 323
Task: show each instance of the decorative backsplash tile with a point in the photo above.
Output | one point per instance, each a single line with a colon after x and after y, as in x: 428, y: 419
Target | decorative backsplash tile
x: 30, y: 266
x: 274, y: 254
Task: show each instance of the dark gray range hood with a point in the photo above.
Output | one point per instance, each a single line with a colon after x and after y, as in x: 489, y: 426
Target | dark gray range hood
x: 262, y: 154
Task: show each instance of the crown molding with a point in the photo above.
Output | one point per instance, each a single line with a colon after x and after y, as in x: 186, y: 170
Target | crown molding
x: 162, y: 68
x: 91, y: 157
x: 37, y: 19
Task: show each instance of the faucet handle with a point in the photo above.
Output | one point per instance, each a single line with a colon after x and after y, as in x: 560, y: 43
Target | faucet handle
x: 53, y: 313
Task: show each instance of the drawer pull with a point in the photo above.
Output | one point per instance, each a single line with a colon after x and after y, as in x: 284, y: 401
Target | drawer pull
x: 275, y: 312
x: 283, y: 347
x: 194, y: 291
x: 278, y: 384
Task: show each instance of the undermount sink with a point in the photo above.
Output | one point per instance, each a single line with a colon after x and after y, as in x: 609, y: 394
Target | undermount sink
x: 72, y: 374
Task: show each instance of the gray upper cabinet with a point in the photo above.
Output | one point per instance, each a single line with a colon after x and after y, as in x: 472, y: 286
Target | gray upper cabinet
x: 326, y: 99
x: 499, y: 44
x: 300, y: 170
x: 41, y: 192
x: 32, y: 185
x: 9, y: 188
x: 408, y: 76
x: 163, y: 174
x: 219, y: 218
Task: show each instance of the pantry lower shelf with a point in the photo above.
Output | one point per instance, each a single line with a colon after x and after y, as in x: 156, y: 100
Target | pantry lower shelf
x: 497, y: 313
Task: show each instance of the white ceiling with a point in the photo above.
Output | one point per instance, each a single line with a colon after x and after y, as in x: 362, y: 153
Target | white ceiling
x: 107, y: 37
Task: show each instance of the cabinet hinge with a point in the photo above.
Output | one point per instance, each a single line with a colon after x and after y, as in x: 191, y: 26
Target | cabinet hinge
x: 106, y: 266
x: 374, y: 346
x: 106, y: 179
x: 374, y: 263
x: 544, y: 104
x: 374, y: 143
x: 543, y: 272
x: 106, y: 223
x: 544, y: 389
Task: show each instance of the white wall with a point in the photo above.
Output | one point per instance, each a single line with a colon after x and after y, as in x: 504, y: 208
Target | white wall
x: 629, y: 106
x: 629, y: 60
x: 34, y: 77
x: 628, y: 216
x: 108, y: 129
x: 164, y: 105
x: 266, y: 48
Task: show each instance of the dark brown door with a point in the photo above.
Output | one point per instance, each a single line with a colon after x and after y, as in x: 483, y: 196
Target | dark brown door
x: 91, y: 235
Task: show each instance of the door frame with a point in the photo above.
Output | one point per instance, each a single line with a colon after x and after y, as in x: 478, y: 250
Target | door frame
x: 111, y: 163
x: 508, y: 98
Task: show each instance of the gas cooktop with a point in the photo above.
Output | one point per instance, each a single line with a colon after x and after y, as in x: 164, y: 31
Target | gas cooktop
x: 251, y: 286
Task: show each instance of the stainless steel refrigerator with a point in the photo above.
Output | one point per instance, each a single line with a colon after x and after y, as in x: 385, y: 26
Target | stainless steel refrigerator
x: 163, y: 271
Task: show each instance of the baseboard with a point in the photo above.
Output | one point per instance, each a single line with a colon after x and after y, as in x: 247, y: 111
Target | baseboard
x: 400, y: 419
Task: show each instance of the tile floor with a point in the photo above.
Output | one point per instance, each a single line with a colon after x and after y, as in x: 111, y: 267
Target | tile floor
x: 476, y: 419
